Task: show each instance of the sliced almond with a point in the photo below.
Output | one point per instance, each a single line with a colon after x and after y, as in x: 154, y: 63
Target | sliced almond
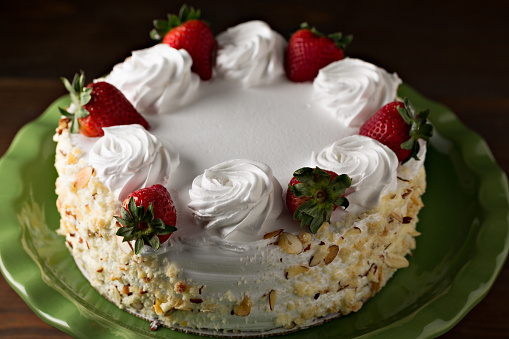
x: 157, y: 307
x: 71, y: 159
x: 272, y: 234
x: 395, y: 260
x: 63, y: 124
x: 83, y: 177
x: 318, y: 256
x: 244, y: 308
x: 396, y: 216
x: 125, y: 246
x: 183, y: 307
x: 352, y: 231
x: 293, y: 271
x: 332, y: 252
x: 305, y: 237
x: 357, y: 306
x: 414, y: 233
x: 290, y: 243
x: 272, y: 300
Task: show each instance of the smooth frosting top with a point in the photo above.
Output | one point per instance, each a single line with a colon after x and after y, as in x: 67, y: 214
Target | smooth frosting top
x: 371, y: 165
x: 235, y: 198
x: 156, y: 79
x: 251, y: 53
x: 128, y: 157
x: 353, y: 89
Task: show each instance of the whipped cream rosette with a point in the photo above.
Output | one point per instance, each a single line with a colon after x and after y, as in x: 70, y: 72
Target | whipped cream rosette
x: 251, y: 53
x: 353, y: 89
x: 156, y: 79
x: 128, y: 157
x: 234, y: 199
x: 371, y: 165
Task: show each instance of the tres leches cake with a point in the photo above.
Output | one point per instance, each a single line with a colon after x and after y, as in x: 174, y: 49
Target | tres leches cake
x: 246, y: 197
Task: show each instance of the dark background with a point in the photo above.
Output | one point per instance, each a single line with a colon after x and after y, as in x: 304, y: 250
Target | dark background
x: 454, y: 52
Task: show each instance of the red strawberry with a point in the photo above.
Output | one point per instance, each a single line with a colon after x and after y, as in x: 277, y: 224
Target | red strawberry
x: 147, y: 215
x: 314, y: 193
x: 309, y: 50
x: 398, y: 126
x: 99, y: 105
x: 188, y: 32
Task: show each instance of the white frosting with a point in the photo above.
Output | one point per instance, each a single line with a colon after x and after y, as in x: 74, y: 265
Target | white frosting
x: 371, y: 165
x: 157, y: 79
x: 251, y: 53
x: 235, y: 198
x: 353, y: 89
x: 128, y: 157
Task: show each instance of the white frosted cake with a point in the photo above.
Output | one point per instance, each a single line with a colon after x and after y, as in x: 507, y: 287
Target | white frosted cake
x: 226, y: 150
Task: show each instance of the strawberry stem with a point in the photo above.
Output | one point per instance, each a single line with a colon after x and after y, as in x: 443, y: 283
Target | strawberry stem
x: 140, y: 224
x: 80, y: 96
x: 162, y: 27
x: 419, y: 128
x: 325, y: 195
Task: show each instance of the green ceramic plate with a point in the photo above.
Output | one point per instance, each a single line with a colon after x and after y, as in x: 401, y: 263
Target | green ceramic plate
x: 464, y: 242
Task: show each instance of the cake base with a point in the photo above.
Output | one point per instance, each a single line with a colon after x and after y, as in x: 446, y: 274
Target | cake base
x: 264, y: 289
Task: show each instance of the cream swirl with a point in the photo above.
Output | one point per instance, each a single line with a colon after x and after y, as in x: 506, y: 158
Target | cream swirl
x: 128, y: 157
x: 353, y: 89
x: 371, y: 165
x: 156, y: 78
x: 234, y: 199
x: 251, y: 52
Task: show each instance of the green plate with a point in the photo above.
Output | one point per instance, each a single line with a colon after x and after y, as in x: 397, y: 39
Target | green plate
x: 464, y: 242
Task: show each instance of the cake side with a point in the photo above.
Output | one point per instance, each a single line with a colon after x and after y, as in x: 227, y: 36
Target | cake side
x: 289, y: 280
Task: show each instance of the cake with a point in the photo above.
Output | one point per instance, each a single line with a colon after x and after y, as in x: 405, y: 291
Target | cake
x: 226, y: 149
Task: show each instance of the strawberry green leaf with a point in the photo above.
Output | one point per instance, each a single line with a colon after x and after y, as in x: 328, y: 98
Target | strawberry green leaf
x: 324, y: 195
x: 138, y: 223
x: 338, y: 38
x: 154, y: 242
x: 124, y: 232
x: 122, y: 222
x: 161, y: 25
x: 167, y: 230
x: 173, y: 21
x: 125, y: 215
x: 315, y: 225
x: 138, y: 246
x: 65, y: 113
x: 305, y: 175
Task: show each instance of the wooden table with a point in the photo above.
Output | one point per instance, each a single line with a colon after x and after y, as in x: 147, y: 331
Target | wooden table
x: 454, y: 52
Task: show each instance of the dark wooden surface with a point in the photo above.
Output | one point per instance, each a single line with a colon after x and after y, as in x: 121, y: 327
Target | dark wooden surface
x: 454, y: 52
